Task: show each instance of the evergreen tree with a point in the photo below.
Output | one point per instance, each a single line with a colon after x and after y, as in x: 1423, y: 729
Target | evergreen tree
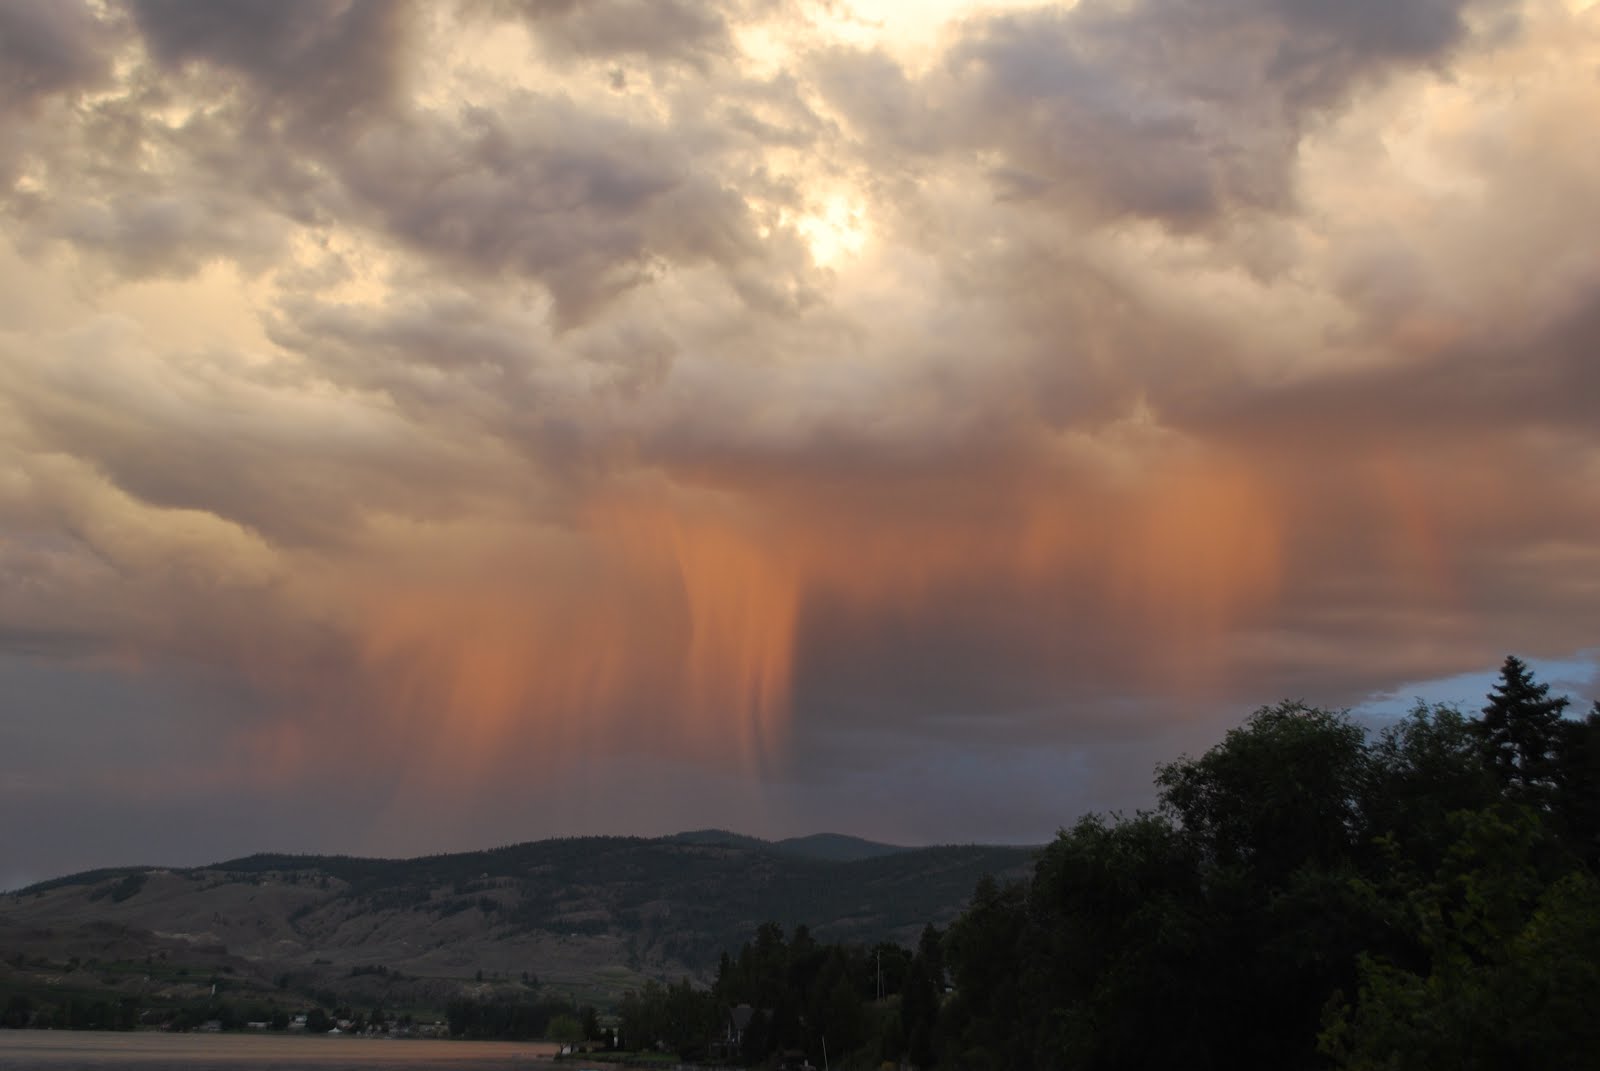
x: 1577, y: 777
x: 1520, y: 733
x: 919, y: 1001
x: 930, y: 948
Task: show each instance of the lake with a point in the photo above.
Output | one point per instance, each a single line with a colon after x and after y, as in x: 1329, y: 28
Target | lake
x: 23, y: 1050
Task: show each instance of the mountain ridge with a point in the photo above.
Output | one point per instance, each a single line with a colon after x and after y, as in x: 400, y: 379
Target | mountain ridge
x: 593, y: 916
x: 824, y: 846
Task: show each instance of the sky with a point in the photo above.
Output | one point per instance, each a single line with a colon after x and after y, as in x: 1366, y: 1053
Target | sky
x: 428, y: 426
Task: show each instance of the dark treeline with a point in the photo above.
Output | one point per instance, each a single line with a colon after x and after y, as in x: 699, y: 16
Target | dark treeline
x: 93, y: 1010
x: 1306, y: 895
x: 1309, y: 896
x: 551, y: 1017
x: 797, y: 998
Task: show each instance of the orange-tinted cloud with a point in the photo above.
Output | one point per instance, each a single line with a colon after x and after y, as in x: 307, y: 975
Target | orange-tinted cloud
x: 734, y: 394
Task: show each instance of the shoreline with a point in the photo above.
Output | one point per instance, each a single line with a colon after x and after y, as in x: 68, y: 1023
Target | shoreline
x: 22, y: 1050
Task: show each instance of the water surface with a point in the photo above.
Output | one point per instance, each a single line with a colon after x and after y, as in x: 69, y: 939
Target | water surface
x: 24, y: 1050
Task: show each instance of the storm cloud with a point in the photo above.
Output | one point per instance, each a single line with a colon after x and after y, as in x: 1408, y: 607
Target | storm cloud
x: 414, y: 417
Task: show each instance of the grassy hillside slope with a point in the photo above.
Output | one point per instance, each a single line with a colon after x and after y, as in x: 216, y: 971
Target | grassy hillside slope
x: 591, y: 916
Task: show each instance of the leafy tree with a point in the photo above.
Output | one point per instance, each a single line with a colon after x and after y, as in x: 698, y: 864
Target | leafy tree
x: 1426, y: 767
x: 565, y: 1029
x: 1276, y: 819
x: 1282, y: 791
x: 986, y: 947
x: 18, y: 1013
x: 1116, y: 912
x: 692, y: 1018
x: 1511, y: 972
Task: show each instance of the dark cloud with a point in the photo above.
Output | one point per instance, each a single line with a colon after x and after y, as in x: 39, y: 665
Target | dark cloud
x: 297, y: 115
x: 1073, y: 119
x: 146, y: 199
x: 585, y: 205
x: 196, y: 432
x: 49, y: 46
x: 321, y: 65
x: 48, y: 53
x: 168, y: 233
x: 915, y: 665
x: 683, y: 31
x: 1329, y: 45
x: 448, y: 360
x: 1181, y: 113
x: 1517, y: 382
x: 150, y: 196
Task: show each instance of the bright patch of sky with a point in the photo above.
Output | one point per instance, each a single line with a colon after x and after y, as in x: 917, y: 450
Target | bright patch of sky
x: 1577, y: 677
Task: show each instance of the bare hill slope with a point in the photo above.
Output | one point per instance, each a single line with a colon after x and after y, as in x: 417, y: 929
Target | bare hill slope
x: 591, y: 915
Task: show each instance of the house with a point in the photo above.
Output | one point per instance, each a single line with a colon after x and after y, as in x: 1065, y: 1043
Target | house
x: 735, y: 1022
